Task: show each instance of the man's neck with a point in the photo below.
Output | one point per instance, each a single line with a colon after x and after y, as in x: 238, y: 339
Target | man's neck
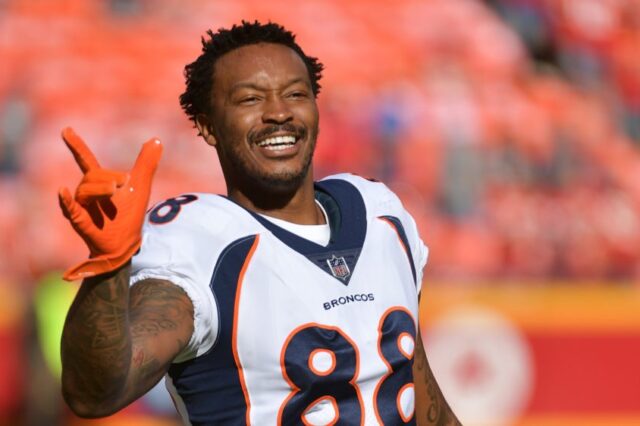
x: 296, y: 207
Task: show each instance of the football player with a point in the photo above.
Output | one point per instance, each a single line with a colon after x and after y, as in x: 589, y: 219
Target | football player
x: 287, y: 301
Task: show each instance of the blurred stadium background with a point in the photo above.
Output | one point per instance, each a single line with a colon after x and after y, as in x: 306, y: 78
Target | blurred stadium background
x: 510, y: 128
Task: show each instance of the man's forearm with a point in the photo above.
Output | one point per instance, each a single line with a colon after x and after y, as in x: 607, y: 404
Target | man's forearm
x: 96, y: 344
x: 431, y: 407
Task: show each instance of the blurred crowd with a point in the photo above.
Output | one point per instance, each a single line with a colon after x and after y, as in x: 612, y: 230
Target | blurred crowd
x: 510, y: 128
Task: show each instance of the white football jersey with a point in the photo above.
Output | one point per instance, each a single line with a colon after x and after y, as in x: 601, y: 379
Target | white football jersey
x: 288, y: 331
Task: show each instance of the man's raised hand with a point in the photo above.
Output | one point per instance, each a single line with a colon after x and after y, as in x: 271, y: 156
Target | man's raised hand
x: 109, y: 206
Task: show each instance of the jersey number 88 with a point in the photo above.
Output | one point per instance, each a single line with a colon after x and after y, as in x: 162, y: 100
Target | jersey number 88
x: 321, y: 365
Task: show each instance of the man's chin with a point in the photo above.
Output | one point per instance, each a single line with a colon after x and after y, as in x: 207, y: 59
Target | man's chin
x: 281, y: 183
x: 265, y: 183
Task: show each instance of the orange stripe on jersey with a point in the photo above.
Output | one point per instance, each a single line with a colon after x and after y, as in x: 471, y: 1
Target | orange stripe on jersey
x: 234, y: 338
x: 393, y: 226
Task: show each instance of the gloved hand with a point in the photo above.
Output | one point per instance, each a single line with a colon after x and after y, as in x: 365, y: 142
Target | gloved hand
x: 109, y: 206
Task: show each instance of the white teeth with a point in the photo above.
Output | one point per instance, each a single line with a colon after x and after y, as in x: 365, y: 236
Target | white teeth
x: 278, y: 140
x: 276, y: 147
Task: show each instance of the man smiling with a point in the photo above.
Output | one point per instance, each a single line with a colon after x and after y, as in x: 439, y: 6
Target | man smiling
x: 227, y: 296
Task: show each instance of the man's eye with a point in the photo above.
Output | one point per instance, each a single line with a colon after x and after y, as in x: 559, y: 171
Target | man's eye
x: 249, y: 100
x: 297, y: 95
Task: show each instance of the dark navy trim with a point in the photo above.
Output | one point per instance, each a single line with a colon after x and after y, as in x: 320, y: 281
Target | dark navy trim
x: 395, y: 222
x: 348, y: 222
x: 210, y: 384
x: 332, y: 210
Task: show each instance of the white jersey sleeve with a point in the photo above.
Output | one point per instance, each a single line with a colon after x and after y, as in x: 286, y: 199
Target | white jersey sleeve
x: 171, y: 252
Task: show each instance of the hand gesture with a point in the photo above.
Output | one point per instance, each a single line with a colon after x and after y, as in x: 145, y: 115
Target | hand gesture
x: 109, y: 206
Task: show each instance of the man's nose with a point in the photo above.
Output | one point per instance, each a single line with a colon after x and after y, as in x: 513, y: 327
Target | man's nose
x: 276, y: 110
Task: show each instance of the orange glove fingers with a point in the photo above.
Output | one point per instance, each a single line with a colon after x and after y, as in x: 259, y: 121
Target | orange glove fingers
x: 89, y: 191
x: 81, y: 152
x: 109, y: 206
x: 147, y: 162
x: 101, y: 175
x: 99, y: 183
x: 78, y: 216
x: 70, y: 209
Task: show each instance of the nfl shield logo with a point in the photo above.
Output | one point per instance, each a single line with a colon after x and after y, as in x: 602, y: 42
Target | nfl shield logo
x: 339, y: 267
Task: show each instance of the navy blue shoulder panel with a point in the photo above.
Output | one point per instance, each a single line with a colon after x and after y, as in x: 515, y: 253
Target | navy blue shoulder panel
x: 348, y: 222
x: 397, y: 225
x: 210, y: 384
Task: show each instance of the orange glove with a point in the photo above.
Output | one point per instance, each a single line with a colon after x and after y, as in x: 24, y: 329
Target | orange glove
x: 109, y: 206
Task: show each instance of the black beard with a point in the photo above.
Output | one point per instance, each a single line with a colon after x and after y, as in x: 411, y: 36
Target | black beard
x: 271, y: 190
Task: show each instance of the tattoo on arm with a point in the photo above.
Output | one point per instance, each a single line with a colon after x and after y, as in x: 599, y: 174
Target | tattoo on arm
x: 96, y: 335
x: 436, y: 412
x: 157, y: 309
x: 118, y: 342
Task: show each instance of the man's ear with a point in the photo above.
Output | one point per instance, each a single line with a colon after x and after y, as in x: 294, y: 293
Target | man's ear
x: 202, y: 123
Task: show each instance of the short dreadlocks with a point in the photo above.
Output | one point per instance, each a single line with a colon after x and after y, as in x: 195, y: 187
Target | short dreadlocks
x: 199, y: 74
